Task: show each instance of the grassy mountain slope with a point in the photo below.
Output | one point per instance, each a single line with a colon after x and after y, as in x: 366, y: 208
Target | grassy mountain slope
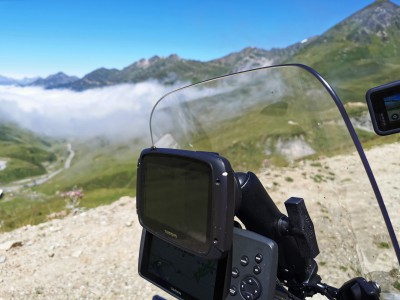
x: 104, y: 171
x: 25, y: 153
x: 98, y: 165
x: 360, y: 52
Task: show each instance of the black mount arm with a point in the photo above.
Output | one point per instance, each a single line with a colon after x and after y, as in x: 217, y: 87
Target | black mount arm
x: 294, y: 235
x: 296, y: 241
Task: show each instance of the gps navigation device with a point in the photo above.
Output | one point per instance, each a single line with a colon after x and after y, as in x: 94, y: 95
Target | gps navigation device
x: 187, y: 198
x: 384, y: 107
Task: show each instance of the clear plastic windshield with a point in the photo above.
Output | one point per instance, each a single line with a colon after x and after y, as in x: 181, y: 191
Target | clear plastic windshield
x: 284, y: 124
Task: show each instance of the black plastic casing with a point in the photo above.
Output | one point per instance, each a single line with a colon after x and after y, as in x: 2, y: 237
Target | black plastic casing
x: 224, y: 193
x: 378, y: 111
x: 212, y: 283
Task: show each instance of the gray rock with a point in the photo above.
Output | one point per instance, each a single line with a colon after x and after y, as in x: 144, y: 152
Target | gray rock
x: 10, y: 244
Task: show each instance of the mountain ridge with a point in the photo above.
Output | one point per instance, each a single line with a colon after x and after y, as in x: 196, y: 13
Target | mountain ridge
x: 4, y: 80
x: 358, y: 53
x: 53, y: 80
x: 173, y: 68
x: 366, y: 41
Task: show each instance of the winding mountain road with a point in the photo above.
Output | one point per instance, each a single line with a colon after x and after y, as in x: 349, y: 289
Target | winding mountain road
x: 34, y: 181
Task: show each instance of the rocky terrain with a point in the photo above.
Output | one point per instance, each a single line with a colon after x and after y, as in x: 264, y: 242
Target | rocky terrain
x: 94, y: 254
x: 89, y: 255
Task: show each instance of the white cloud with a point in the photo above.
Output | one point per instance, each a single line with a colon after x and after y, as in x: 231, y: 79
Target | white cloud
x: 115, y: 111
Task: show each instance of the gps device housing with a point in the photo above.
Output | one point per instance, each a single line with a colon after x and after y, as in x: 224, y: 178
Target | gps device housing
x: 182, y: 274
x: 384, y: 107
x: 187, y: 198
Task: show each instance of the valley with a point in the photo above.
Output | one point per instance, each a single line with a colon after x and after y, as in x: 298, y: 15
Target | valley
x: 36, y: 181
x: 105, y: 170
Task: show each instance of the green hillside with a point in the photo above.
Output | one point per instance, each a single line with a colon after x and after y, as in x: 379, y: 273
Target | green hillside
x: 25, y: 153
x: 359, y: 53
x: 103, y: 170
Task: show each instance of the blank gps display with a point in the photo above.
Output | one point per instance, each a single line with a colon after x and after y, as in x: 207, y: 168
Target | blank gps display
x: 187, y: 198
x: 176, y: 197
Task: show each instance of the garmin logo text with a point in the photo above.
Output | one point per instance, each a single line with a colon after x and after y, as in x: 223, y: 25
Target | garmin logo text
x: 171, y: 234
x: 176, y: 291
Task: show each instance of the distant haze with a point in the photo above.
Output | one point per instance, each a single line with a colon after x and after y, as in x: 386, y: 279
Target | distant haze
x: 117, y: 111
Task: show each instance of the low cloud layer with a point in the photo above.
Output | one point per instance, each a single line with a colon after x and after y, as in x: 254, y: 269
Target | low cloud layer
x: 117, y: 111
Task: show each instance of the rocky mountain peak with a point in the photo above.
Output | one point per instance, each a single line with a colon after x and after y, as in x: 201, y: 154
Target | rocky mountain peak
x: 376, y: 19
x: 146, y: 63
x: 173, y: 57
x: 59, y: 75
x: 154, y: 59
x: 377, y: 16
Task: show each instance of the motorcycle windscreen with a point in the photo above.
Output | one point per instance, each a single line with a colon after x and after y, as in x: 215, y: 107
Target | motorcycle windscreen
x: 284, y: 124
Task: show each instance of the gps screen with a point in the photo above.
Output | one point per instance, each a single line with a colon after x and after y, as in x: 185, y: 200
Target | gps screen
x: 176, y: 199
x: 392, y: 105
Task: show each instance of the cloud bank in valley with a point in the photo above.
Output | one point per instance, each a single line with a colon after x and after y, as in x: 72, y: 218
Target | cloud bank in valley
x: 117, y: 111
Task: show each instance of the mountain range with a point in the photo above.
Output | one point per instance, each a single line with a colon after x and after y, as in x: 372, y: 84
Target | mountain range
x: 51, y: 81
x: 55, y: 80
x: 360, y: 52
x: 11, y: 81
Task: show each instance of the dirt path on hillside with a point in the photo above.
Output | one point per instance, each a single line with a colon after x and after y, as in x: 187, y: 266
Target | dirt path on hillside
x: 34, y: 181
x: 93, y: 255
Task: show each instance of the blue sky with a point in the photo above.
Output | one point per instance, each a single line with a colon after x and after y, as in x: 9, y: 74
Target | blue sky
x: 42, y: 37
